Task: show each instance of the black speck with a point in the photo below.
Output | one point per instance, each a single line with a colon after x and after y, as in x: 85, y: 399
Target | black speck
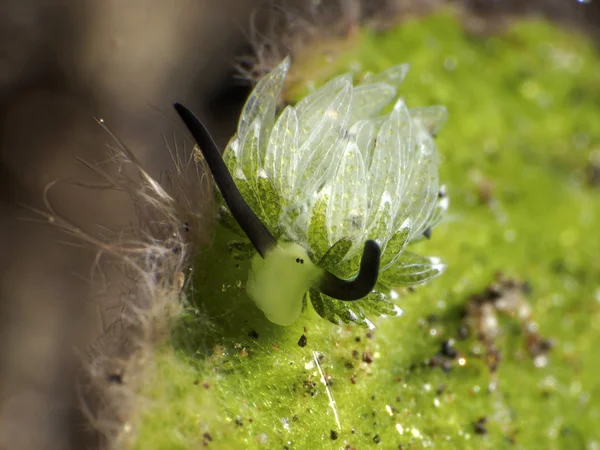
x: 376, y: 439
x: 207, y: 436
x: 302, y: 341
x: 357, y: 338
x: 448, y: 349
x: 333, y: 435
x: 115, y: 378
x: 253, y: 334
x: 479, y: 426
x: 349, y: 365
x: 435, y: 361
x: 367, y: 357
x: 427, y: 233
x: 495, y: 292
x: 370, y: 335
x: 239, y: 422
x: 431, y: 318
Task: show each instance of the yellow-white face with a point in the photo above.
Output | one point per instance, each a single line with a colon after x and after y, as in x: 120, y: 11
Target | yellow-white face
x: 278, y: 283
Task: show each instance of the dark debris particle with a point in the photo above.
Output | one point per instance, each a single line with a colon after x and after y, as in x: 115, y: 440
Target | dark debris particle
x: 207, y: 436
x: 367, y: 357
x: 370, y: 335
x: 357, y: 338
x: 540, y: 346
x: 495, y: 291
x: 355, y: 354
x: 440, y: 390
x: 253, y: 334
x: 239, y: 422
x: 115, y: 378
x: 479, y: 426
x: 435, y: 361
x: 302, y: 341
x: 376, y: 439
x: 448, y: 350
x: 349, y: 365
x: 333, y: 435
x: 205, y: 385
x: 353, y: 379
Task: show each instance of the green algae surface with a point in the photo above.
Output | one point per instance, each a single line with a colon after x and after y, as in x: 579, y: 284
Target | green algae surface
x: 518, y: 151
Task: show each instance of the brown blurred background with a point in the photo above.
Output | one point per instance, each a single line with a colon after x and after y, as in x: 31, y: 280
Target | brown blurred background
x: 62, y: 63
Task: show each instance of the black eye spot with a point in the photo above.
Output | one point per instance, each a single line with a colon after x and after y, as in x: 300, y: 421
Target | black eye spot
x: 301, y: 261
x: 297, y: 260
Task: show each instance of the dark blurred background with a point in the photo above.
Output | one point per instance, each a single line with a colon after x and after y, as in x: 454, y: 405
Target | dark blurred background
x: 62, y: 63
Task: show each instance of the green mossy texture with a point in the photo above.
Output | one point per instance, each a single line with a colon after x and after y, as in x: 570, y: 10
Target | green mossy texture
x: 524, y: 110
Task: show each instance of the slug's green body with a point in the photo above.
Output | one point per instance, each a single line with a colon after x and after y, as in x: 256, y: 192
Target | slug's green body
x: 328, y: 177
x: 279, y: 282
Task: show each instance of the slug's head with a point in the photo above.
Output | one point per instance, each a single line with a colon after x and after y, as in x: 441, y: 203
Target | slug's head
x: 278, y: 282
x: 282, y: 272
